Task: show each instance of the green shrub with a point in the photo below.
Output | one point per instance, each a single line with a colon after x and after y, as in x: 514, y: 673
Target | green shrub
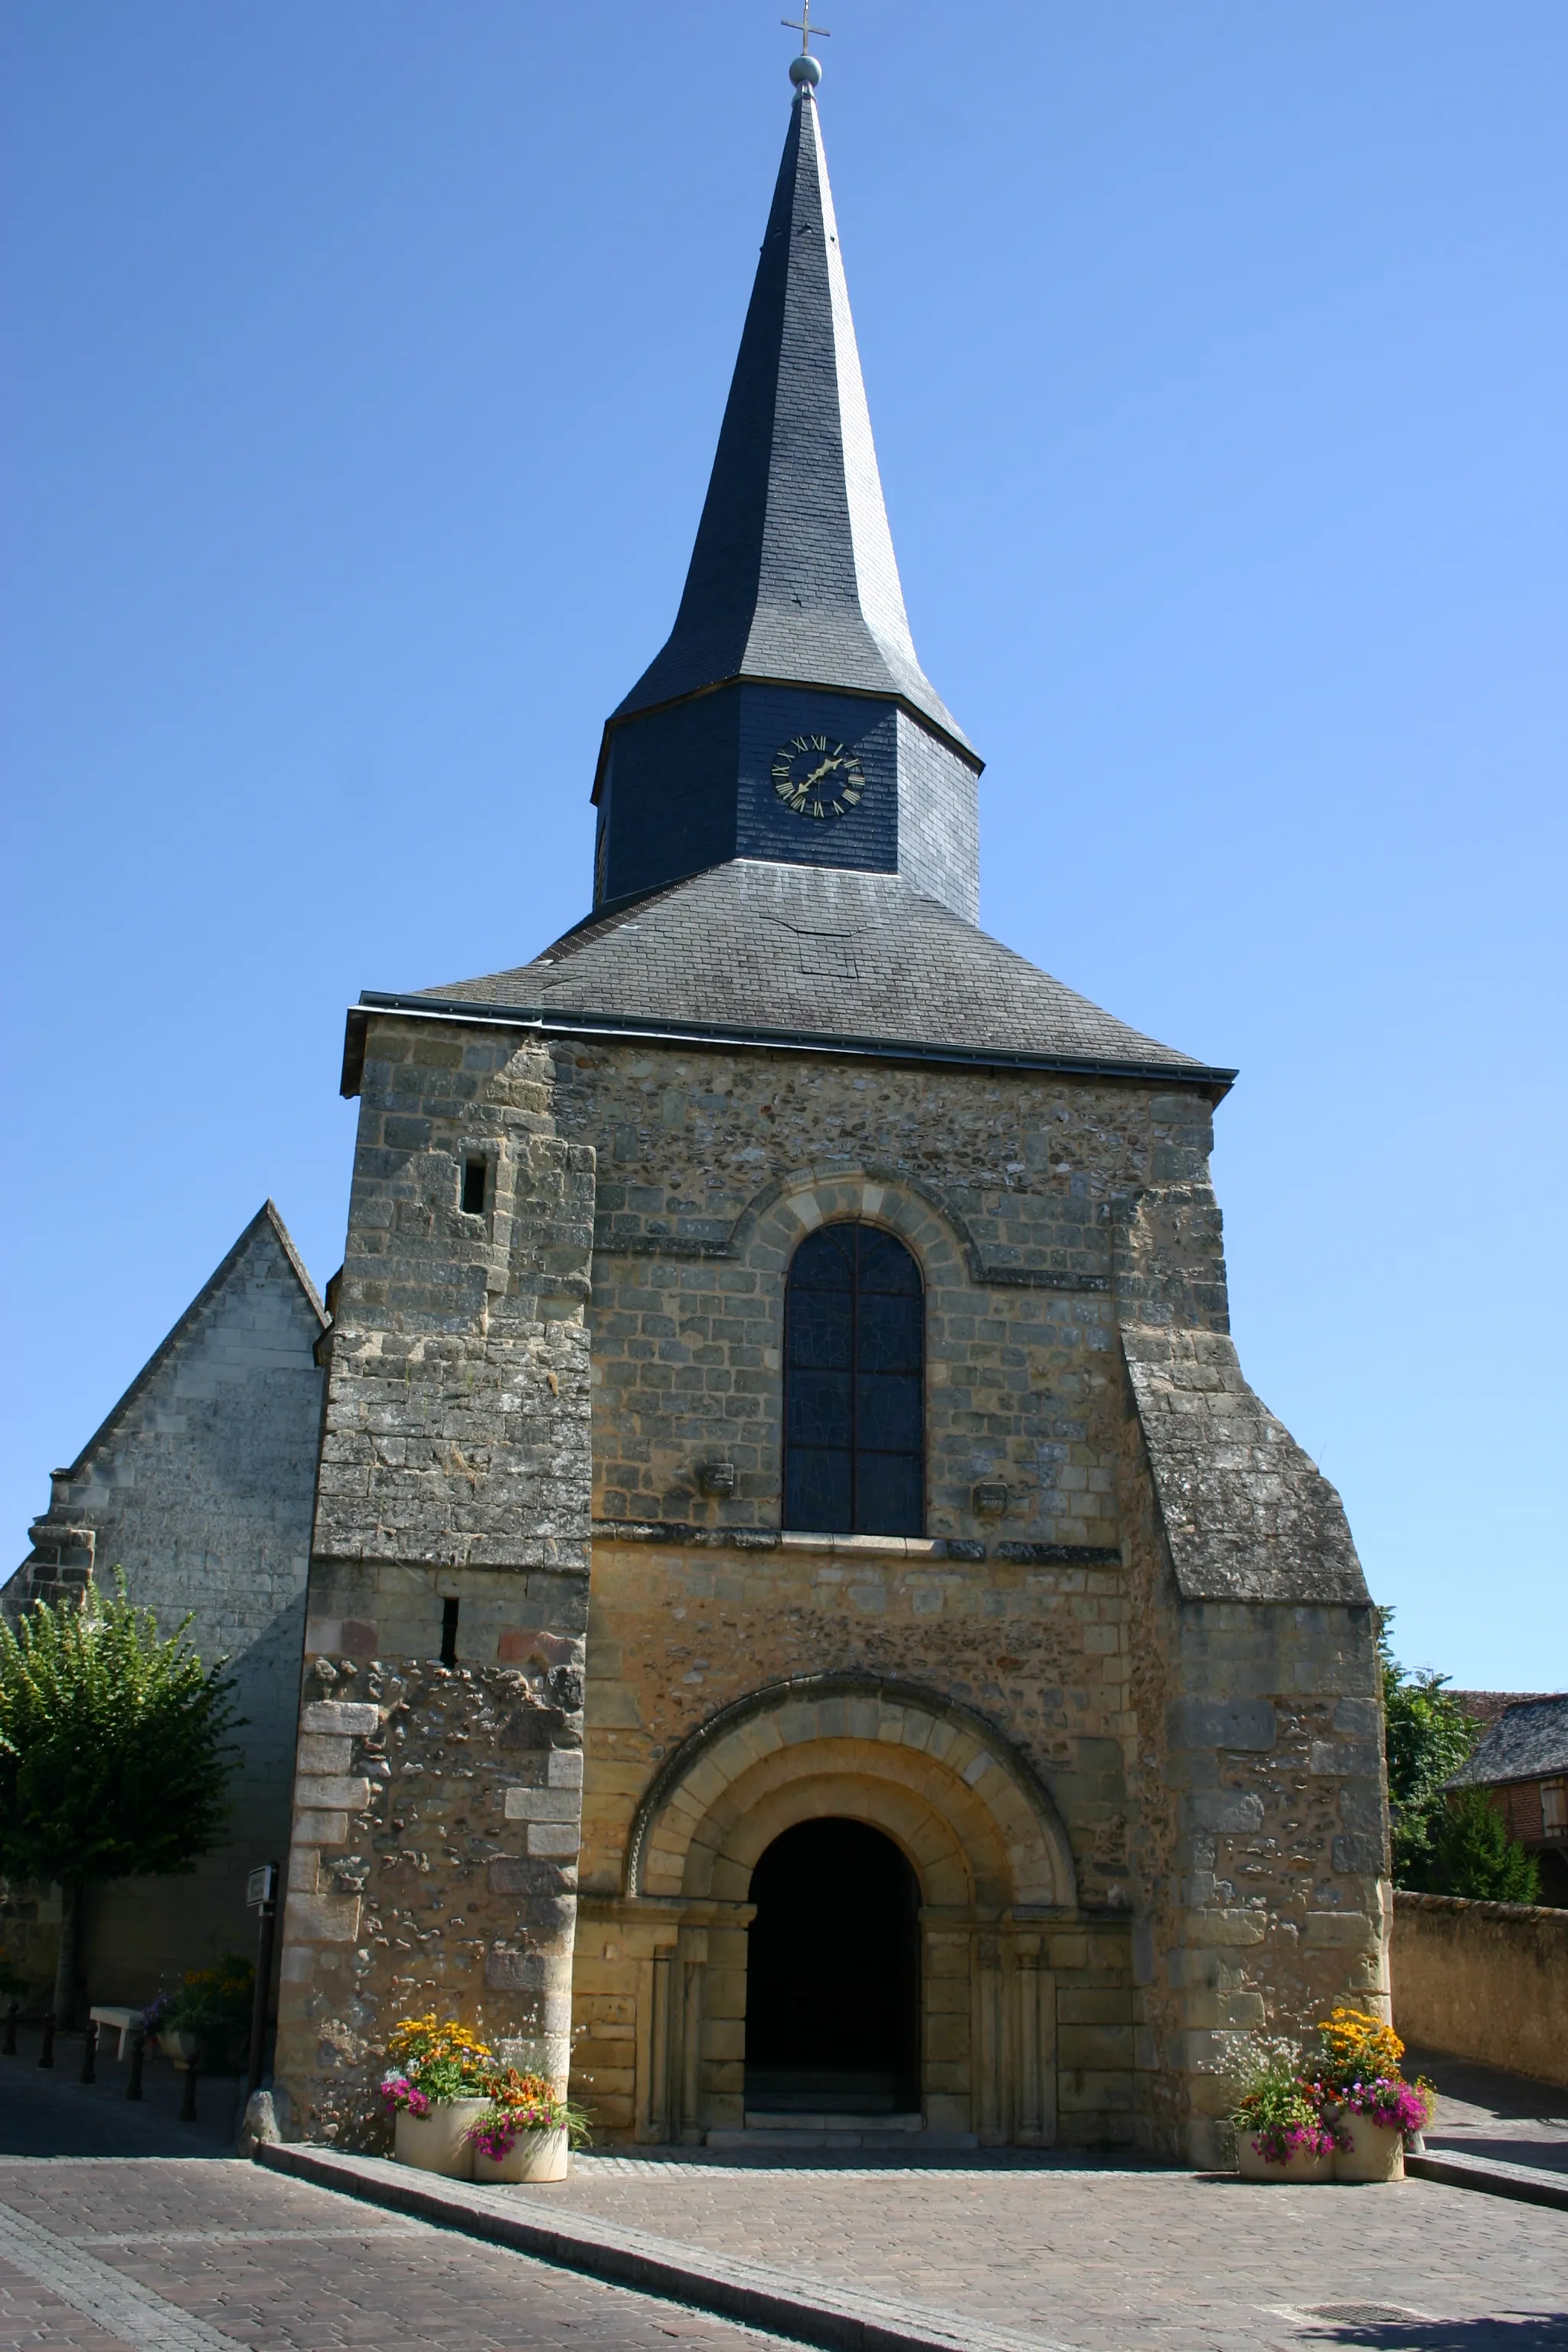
x: 113, y: 1752
x: 1475, y: 1856
x: 214, y: 2004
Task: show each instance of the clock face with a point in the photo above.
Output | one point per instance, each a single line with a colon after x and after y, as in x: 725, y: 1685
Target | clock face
x: 815, y: 777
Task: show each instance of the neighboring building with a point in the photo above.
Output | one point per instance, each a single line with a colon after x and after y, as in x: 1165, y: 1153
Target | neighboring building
x: 807, y: 1617
x: 1522, y: 1760
x: 1485, y: 1706
x: 199, y: 1485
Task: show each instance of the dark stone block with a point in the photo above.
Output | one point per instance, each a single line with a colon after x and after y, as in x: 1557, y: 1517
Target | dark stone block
x: 1223, y: 1723
x: 522, y: 1874
x: 535, y: 1727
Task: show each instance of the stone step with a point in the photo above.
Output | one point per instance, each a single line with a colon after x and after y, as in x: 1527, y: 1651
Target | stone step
x: 828, y: 2119
x: 847, y: 2133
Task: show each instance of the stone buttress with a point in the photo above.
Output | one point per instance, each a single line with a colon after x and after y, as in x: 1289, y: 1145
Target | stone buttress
x: 438, y: 1787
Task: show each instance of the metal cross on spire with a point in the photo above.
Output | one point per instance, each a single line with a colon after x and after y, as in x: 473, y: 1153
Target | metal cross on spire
x: 804, y: 27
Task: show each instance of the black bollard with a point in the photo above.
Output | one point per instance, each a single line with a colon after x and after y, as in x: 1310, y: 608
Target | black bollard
x: 8, y: 2047
x: 89, y: 2053
x: 138, y: 2053
x: 47, y: 2056
x: 188, y: 2100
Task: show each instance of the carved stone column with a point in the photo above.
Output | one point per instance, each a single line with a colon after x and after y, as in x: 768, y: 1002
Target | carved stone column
x: 989, y: 2106
x: 694, y: 1967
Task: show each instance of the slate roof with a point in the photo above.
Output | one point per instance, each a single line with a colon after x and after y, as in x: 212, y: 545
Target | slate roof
x: 793, y: 575
x: 827, y: 955
x: 1486, y: 1706
x: 1527, y: 1742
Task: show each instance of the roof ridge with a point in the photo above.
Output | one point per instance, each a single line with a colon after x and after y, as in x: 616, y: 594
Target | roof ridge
x: 267, y: 1215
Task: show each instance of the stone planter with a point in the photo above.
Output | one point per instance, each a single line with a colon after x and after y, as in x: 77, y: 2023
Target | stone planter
x: 1299, y: 2166
x: 439, y: 2142
x: 533, y: 2156
x: 1376, y: 2153
x: 178, y: 2043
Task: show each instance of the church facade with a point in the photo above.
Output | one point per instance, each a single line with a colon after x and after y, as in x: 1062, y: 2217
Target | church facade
x: 809, y: 1629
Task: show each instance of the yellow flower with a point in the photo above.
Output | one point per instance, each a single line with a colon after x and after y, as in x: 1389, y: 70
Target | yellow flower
x: 1356, y: 2044
x: 419, y: 2038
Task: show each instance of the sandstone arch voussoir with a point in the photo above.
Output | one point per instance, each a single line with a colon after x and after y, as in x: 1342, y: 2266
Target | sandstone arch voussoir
x: 957, y: 1796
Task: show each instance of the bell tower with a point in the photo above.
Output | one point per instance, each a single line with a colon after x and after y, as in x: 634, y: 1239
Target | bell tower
x: 787, y: 718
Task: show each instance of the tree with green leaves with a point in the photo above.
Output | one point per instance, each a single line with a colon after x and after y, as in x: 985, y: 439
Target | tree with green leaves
x: 1442, y: 1844
x: 1426, y: 1736
x: 1476, y: 1855
x: 114, y: 1759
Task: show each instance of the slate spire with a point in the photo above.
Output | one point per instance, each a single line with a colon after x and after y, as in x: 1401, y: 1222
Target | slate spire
x: 793, y: 575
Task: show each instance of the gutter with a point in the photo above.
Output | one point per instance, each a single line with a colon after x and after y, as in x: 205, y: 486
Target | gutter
x: 1215, y: 1084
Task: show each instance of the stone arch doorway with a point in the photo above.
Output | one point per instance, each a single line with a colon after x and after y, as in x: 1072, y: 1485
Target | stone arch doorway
x: 833, y: 1974
x: 943, y: 1787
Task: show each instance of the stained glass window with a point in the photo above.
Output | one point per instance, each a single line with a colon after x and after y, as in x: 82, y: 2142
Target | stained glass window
x: 854, y: 1385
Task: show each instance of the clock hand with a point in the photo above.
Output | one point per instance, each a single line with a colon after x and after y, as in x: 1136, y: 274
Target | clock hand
x: 818, y: 774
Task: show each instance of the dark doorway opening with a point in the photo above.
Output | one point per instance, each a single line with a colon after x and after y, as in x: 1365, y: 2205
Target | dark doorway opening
x: 832, y: 1975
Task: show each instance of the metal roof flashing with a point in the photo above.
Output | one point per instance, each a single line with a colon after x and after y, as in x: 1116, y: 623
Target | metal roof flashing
x: 1213, y: 1082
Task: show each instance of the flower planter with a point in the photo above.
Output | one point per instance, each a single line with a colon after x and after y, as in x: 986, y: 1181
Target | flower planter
x: 533, y: 2156
x: 178, y: 2043
x: 438, y: 2141
x: 1376, y: 2152
x: 1301, y: 2165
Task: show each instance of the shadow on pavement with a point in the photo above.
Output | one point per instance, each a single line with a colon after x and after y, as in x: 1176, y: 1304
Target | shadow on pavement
x: 47, y: 2112
x: 1531, y: 2332
x: 1483, y: 2112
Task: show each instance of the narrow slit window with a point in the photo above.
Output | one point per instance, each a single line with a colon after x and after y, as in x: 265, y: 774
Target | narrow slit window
x: 474, y: 1174
x: 449, y: 1632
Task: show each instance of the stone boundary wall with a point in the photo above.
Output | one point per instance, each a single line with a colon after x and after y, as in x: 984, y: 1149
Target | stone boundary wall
x: 1483, y: 1980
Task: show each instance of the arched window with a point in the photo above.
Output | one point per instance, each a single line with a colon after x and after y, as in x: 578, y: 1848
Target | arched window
x: 854, y: 1385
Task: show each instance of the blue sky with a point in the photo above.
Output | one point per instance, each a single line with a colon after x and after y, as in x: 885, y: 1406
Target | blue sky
x: 364, y: 367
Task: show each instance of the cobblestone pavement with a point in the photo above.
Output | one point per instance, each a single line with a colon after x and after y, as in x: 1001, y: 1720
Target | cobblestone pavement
x: 177, y: 2255
x: 201, y: 2255
x: 1483, y: 2112
x: 1109, y: 2260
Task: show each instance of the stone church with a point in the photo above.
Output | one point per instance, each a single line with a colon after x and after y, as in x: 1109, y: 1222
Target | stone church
x: 808, y: 1630
x: 199, y: 1485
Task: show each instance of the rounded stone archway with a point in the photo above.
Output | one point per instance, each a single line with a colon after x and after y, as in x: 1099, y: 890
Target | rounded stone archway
x: 928, y: 1767
x: 979, y: 1832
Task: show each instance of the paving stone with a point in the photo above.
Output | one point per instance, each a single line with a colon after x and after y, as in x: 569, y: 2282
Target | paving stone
x: 200, y: 2255
x: 1180, y: 2262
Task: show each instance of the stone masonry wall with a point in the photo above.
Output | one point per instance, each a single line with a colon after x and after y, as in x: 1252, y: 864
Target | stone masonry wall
x: 433, y: 1856
x: 1487, y: 1981
x: 1258, y: 1828
x: 1010, y: 1189
x: 200, y: 1484
x: 1209, y: 1757
x: 1041, y: 1650
x: 1217, y: 1765
x: 1022, y: 1177
x: 443, y: 1879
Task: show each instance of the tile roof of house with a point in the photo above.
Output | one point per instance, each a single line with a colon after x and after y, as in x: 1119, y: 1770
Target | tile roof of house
x: 1529, y: 1740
